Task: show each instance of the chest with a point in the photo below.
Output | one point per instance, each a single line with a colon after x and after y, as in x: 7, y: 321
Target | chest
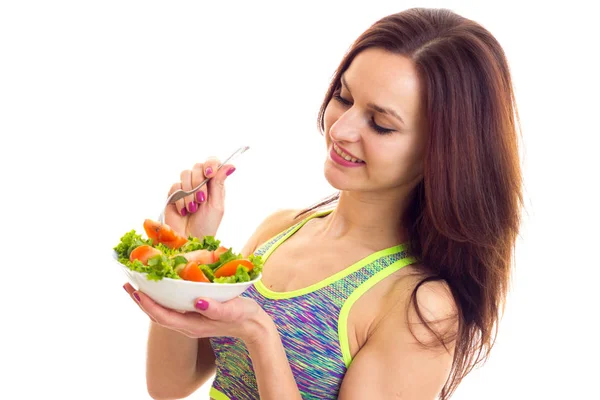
x: 300, y: 262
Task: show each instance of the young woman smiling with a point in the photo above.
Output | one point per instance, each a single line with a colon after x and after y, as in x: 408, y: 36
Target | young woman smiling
x: 393, y: 287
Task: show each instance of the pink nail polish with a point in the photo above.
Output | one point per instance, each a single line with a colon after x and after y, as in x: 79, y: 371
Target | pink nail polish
x: 193, y: 207
x: 202, y: 305
x: 137, y: 296
x: 231, y: 171
x: 183, y: 212
x: 208, y: 171
x: 200, y: 196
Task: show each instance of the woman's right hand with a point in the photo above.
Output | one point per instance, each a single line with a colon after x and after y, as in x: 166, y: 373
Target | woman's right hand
x: 199, y: 215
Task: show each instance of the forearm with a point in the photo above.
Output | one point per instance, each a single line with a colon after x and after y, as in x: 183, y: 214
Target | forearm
x: 272, y: 369
x: 172, y: 366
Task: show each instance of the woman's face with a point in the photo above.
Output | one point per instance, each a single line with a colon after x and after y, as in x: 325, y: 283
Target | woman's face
x: 374, y: 118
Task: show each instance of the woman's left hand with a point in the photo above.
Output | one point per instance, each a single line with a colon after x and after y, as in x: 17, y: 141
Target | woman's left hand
x: 240, y: 317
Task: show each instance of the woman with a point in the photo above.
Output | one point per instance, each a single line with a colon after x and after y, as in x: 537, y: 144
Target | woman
x: 395, y: 292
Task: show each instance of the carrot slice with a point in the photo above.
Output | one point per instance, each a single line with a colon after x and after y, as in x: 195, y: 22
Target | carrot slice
x: 143, y: 253
x: 230, y: 267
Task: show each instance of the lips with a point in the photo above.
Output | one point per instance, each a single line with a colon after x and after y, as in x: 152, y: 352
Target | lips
x: 343, y: 153
x: 336, y: 158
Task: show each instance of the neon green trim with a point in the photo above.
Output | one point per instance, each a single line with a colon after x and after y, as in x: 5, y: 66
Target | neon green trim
x: 291, y: 232
x: 321, y: 284
x: 216, y: 395
x: 359, y: 291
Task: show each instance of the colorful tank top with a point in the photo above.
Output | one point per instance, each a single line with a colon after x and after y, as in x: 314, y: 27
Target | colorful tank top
x: 312, y: 323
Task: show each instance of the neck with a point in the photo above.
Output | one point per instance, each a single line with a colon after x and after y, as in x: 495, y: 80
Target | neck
x: 375, y: 219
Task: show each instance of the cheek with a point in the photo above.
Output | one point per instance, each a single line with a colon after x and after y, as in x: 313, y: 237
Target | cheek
x: 394, y: 162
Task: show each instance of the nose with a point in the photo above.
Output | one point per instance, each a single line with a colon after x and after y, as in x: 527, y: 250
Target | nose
x: 347, y: 127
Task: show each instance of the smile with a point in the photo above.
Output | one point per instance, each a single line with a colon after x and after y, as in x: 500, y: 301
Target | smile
x: 346, y: 156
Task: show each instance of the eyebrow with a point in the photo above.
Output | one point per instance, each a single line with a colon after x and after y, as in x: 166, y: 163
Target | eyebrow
x: 375, y: 107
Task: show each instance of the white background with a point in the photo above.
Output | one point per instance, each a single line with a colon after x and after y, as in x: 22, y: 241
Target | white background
x: 103, y: 103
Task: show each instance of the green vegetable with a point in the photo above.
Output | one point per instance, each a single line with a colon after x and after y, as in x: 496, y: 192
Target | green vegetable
x: 226, y: 279
x: 258, y: 263
x: 158, y: 267
x: 167, y: 264
x: 166, y: 250
x: 208, y: 272
x: 207, y: 243
x: 180, y: 260
x: 129, y: 242
x: 241, y: 275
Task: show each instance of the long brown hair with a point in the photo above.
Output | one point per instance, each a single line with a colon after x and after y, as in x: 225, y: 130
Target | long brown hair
x: 465, y: 214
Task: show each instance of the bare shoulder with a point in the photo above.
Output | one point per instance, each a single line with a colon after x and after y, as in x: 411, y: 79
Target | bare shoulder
x: 425, y: 310
x: 273, y: 224
x: 402, y: 357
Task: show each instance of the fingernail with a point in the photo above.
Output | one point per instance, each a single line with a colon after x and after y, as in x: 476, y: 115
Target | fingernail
x: 183, y: 212
x: 231, y: 171
x: 137, y: 296
x: 202, y: 305
x: 200, y: 196
x: 193, y: 207
x: 208, y: 171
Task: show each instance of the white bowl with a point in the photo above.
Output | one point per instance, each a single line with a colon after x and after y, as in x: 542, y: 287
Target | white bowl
x: 179, y: 294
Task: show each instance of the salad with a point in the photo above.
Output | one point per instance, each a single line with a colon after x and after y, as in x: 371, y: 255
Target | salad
x: 167, y: 254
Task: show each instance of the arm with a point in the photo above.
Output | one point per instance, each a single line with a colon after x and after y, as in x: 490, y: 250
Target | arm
x: 393, y: 364
x: 178, y: 365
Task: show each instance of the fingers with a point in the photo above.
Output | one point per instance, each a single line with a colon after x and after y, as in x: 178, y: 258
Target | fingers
x: 188, y: 202
x: 188, y: 323
x: 173, y: 216
x: 216, y: 187
x: 136, y: 297
x: 210, y: 199
x: 210, y: 166
x: 179, y: 205
x: 198, y: 176
x: 234, y: 310
x: 128, y: 288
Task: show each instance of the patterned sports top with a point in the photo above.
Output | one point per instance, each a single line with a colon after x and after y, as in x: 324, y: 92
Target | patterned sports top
x: 312, y: 323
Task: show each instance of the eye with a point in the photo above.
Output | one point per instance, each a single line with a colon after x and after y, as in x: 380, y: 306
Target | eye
x: 338, y: 97
x: 379, y: 129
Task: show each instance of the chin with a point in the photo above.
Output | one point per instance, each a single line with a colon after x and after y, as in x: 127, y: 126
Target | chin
x: 337, y: 178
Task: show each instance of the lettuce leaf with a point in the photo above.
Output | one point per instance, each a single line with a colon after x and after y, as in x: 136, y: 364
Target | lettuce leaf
x: 225, y: 279
x: 241, y: 275
x: 165, y: 265
x: 206, y: 243
x: 159, y: 266
x: 258, y: 263
x: 129, y: 242
x: 166, y: 250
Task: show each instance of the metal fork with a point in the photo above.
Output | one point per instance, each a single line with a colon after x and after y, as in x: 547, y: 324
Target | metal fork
x: 180, y: 194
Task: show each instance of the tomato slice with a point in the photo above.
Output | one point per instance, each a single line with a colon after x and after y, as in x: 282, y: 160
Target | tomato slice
x: 163, y: 233
x: 176, y: 243
x: 143, y: 253
x: 191, y: 272
x: 230, y: 267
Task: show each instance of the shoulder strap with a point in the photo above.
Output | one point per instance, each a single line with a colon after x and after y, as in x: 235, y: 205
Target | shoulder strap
x: 270, y: 245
